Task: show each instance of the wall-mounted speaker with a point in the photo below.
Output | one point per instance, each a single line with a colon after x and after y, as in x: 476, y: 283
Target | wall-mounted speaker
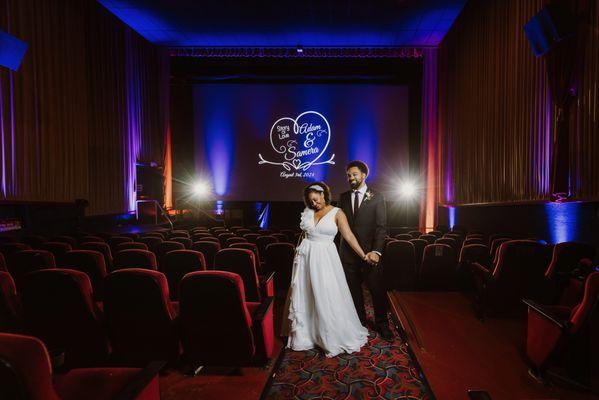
x: 12, y: 51
x: 551, y: 25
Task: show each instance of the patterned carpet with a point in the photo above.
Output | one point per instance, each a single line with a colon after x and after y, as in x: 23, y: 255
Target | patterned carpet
x: 381, y: 370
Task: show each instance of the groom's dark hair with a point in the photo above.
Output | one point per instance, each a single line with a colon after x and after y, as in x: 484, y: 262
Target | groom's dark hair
x: 361, y: 165
x: 326, y: 192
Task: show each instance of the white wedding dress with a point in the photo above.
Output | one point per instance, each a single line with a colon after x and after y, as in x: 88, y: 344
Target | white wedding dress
x: 321, y: 309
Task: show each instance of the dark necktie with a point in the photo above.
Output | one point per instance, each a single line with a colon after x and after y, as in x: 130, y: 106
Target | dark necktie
x: 356, y: 201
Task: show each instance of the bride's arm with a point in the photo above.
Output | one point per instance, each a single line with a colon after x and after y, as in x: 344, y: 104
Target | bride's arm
x: 347, y: 234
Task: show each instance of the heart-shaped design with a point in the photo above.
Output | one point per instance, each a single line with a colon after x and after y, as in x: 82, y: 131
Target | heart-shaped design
x: 301, y: 141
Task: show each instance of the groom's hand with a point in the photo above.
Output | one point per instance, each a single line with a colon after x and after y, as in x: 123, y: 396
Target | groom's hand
x: 373, y: 258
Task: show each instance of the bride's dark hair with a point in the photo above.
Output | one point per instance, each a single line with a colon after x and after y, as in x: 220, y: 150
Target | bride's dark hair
x: 312, y: 188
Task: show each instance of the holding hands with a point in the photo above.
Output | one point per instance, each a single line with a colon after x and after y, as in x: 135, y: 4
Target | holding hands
x: 372, y: 258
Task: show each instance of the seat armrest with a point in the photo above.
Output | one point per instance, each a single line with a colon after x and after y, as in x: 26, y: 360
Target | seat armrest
x: 267, y: 284
x: 262, y: 309
x: 481, y: 271
x: 546, y: 313
x: 141, y: 380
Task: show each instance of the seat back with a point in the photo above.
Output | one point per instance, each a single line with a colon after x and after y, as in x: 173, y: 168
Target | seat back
x: 588, y: 307
x: 415, y: 234
x: 243, y: 263
x: 134, y: 258
x: 161, y: 249
x: 139, y: 316
x: 59, y: 249
x: 495, y: 244
x: 439, y: 267
x: 177, y: 264
x: 103, y: 248
x: 208, y: 249
x: 566, y: 256
x: 25, y: 369
x: 251, y: 237
x: 130, y: 245
x: 478, y: 253
x: 234, y: 239
x: 263, y: 241
x: 185, y: 241
x: 26, y: 261
x: 150, y: 241
x: 520, y: 271
x: 66, y: 239
x: 403, y: 236
x: 92, y: 264
x: 279, y: 259
x: 419, y: 245
x: 430, y: 239
x: 399, y: 265
x: 10, y: 319
x: 474, y: 240
x: 59, y: 309
x: 451, y: 242
x: 214, y: 320
x: 249, y: 246
x: 116, y: 240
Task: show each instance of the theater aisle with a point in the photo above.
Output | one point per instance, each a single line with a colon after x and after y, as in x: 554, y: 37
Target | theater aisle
x: 380, y: 370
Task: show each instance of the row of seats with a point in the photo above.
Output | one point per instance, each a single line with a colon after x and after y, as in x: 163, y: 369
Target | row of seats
x: 213, y: 323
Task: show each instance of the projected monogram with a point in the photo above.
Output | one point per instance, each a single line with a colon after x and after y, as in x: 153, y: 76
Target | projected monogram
x: 300, y: 143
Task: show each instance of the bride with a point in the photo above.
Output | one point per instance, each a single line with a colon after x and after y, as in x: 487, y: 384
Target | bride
x: 320, y: 306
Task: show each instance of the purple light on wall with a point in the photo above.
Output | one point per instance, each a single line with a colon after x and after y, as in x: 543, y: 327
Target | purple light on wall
x: 134, y: 117
x: 449, y: 171
x: 563, y: 220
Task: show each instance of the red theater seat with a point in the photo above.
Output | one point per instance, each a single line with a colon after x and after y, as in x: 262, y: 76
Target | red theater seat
x: 254, y: 248
x: 415, y: 234
x: 86, y: 239
x: 10, y: 310
x: 179, y: 233
x: 59, y: 309
x: 419, y: 245
x: 6, y: 249
x: 92, y: 264
x: 66, y: 239
x: 218, y: 326
x: 139, y: 317
x: 282, y: 238
x: 35, y: 241
x: 3, y: 263
x: 566, y: 257
x: 184, y: 241
x: 399, y: 266
x: 430, y: 239
x: 24, y: 262
x: 177, y: 264
x: 59, y: 249
x: 134, y: 258
x: 161, y: 249
x: 243, y: 263
x: 263, y: 241
x: 251, y: 237
x: 26, y: 373
x: 403, y: 236
x: 151, y: 241
x: 103, y: 248
x: 279, y: 259
x: 208, y: 249
x: 564, y: 337
x: 439, y: 268
x: 455, y: 244
x: 116, y: 240
x: 196, y: 237
x: 234, y: 239
x: 519, y: 273
x: 130, y: 245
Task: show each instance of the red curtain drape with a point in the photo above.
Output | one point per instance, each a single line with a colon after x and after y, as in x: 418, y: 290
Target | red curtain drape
x: 88, y: 102
x: 496, y: 113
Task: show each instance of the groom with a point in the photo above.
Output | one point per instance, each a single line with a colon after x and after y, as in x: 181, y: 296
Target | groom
x: 367, y: 216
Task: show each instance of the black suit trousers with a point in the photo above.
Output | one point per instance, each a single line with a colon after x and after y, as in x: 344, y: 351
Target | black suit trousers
x: 359, y: 272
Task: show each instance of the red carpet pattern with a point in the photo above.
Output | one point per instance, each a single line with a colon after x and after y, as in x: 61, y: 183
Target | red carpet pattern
x: 381, y: 370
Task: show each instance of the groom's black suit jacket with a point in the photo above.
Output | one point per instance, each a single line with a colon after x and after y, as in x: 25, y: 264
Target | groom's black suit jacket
x: 368, y: 225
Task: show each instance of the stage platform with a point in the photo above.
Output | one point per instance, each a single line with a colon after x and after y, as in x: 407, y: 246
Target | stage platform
x: 458, y: 352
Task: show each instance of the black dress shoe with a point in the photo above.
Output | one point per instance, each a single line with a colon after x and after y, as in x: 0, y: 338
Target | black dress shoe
x: 385, y: 332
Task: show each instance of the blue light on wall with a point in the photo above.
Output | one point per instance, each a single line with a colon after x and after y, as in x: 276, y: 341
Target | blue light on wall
x: 263, y: 210
x: 218, y: 145
x: 563, y: 220
x: 362, y: 140
x: 451, y: 211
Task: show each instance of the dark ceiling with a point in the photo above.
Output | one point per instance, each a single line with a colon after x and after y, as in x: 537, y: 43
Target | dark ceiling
x: 287, y: 23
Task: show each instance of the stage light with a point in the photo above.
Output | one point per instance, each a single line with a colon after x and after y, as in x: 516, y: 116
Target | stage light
x: 408, y: 190
x: 201, y: 189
